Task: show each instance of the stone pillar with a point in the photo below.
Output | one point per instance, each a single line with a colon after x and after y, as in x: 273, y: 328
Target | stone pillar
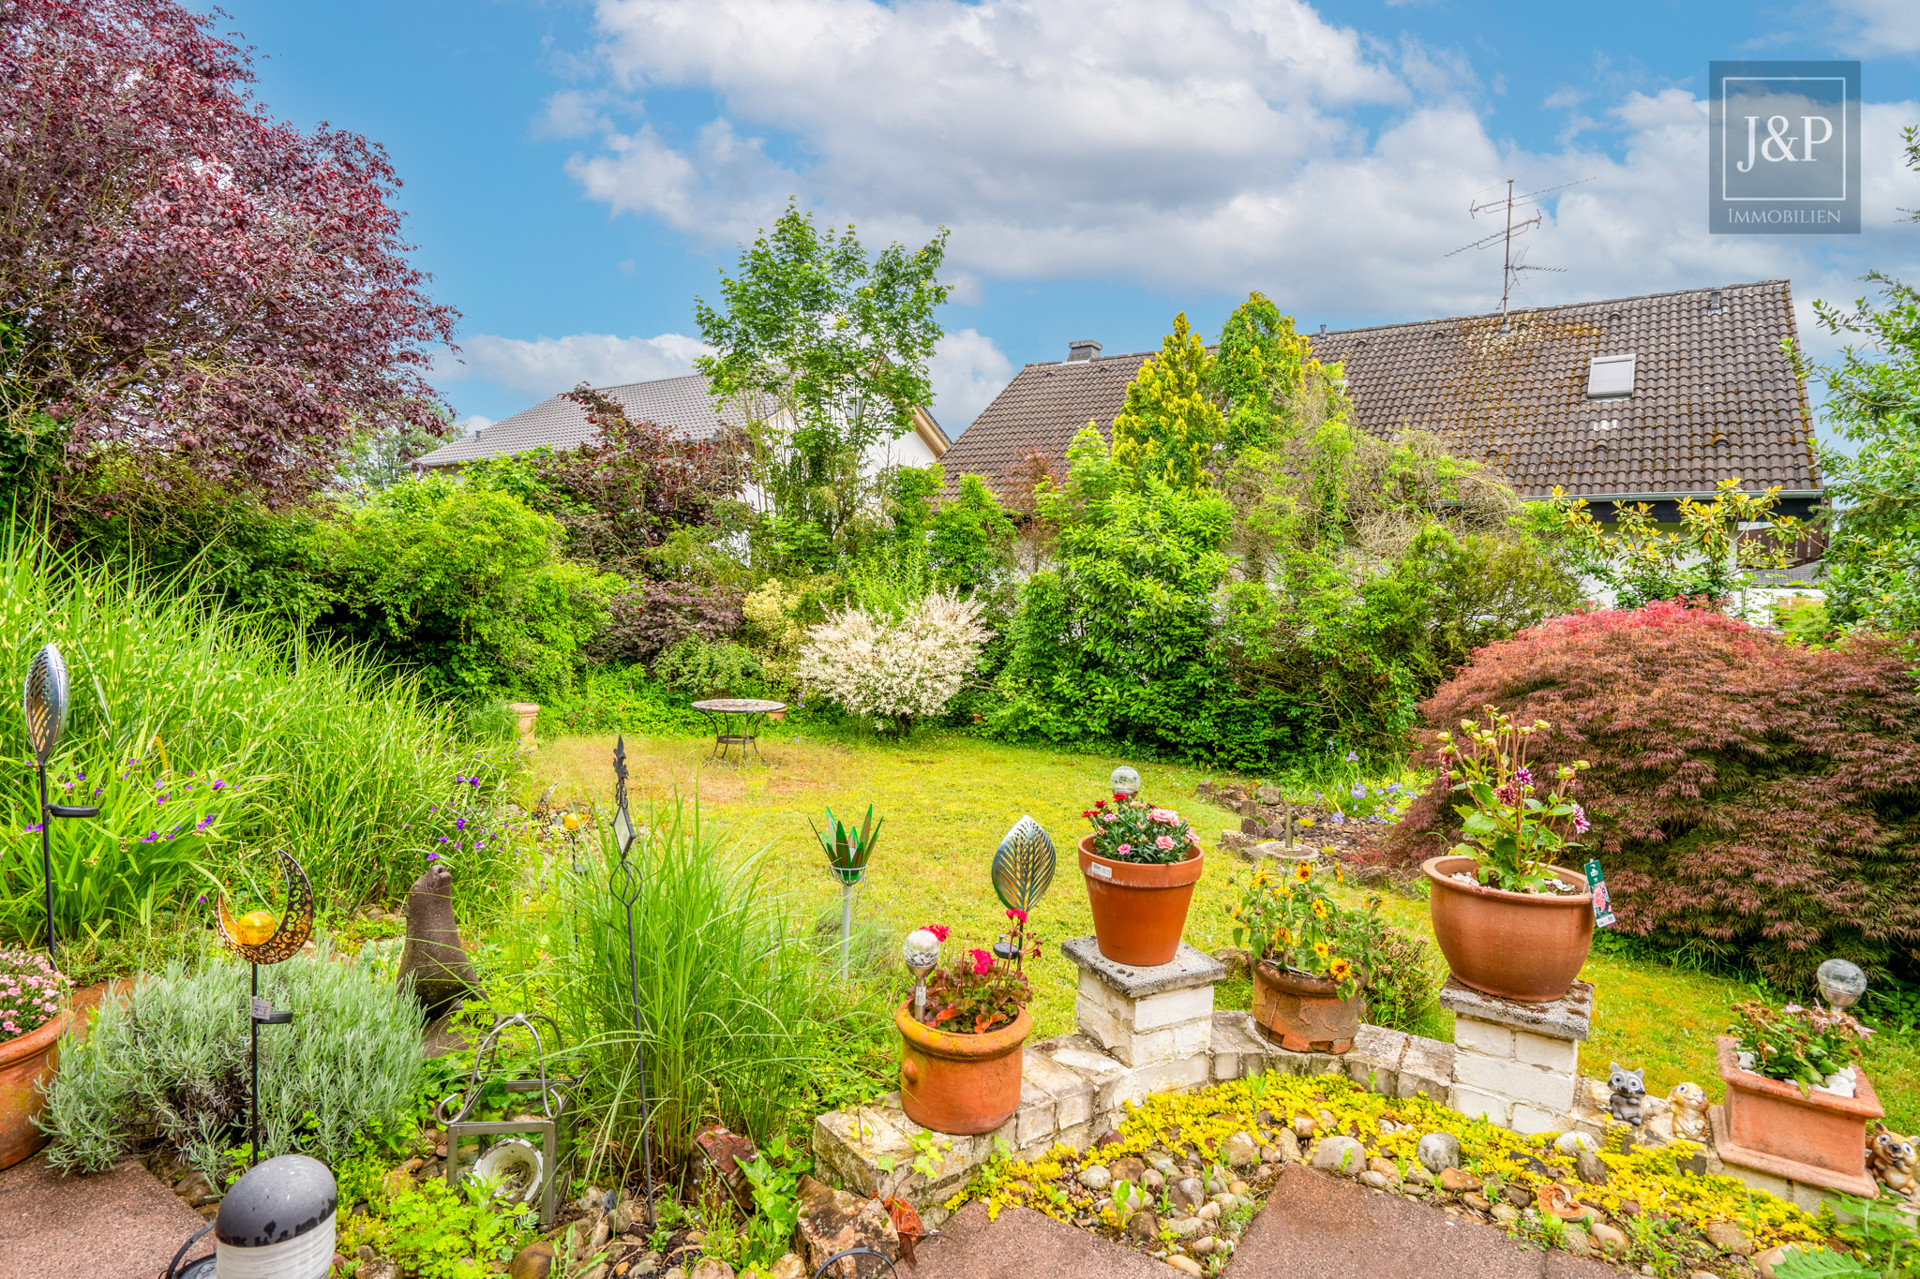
x: 1517, y: 1064
x: 1146, y: 1016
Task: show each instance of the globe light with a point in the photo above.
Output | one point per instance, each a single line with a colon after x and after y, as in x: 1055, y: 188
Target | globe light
x: 1841, y: 983
x: 278, y: 1222
x: 1125, y: 781
x: 922, y: 953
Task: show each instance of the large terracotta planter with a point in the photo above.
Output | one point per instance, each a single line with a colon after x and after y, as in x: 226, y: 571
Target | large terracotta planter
x: 1138, y: 909
x: 26, y: 1062
x: 1813, y: 1136
x: 960, y: 1084
x: 1304, y: 1012
x: 1523, y: 946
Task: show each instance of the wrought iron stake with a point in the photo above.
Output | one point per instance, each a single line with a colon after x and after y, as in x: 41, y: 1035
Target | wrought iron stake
x: 44, y: 702
x: 626, y: 884
x: 292, y: 932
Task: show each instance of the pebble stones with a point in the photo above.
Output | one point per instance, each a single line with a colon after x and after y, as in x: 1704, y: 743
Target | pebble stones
x: 1285, y: 1148
x: 1143, y: 1226
x: 1095, y: 1177
x: 1457, y: 1182
x: 1438, y: 1151
x: 1608, y: 1237
x: 1568, y: 1142
x: 1153, y: 1181
x: 1591, y: 1168
x: 1728, y: 1237
x: 1374, y: 1179
x: 1506, y: 1214
x: 1187, y: 1193
x: 1127, y: 1168
x: 1185, y: 1264
x: 1240, y: 1150
x: 1343, y: 1155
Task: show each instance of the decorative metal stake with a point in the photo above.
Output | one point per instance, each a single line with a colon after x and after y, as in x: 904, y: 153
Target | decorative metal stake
x: 1023, y: 868
x: 295, y: 926
x: 626, y: 885
x: 44, y: 702
x: 848, y: 850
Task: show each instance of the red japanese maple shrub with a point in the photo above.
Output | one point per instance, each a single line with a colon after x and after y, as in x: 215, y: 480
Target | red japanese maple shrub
x: 1752, y: 797
x: 183, y: 279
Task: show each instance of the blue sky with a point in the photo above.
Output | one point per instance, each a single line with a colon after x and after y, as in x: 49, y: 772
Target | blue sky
x: 575, y: 173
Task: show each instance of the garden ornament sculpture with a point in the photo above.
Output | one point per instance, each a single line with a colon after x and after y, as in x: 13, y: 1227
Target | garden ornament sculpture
x: 1125, y: 780
x: 1841, y: 983
x: 1023, y: 868
x: 44, y: 703
x: 259, y: 939
x: 922, y: 953
x: 848, y: 851
x: 627, y: 884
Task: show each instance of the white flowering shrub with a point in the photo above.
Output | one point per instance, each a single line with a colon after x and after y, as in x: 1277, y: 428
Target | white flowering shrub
x: 894, y: 672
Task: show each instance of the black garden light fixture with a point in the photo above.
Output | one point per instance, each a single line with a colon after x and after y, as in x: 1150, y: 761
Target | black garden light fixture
x: 44, y: 703
x: 627, y: 882
x: 277, y: 1222
x: 289, y: 935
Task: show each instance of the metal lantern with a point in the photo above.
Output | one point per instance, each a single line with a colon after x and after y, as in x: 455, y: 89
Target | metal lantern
x: 44, y: 703
x: 541, y: 1172
x: 922, y: 953
x: 627, y: 884
x: 294, y: 928
x: 1842, y: 982
x: 1125, y: 780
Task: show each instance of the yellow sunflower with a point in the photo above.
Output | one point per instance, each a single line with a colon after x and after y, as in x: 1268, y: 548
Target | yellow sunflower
x: 1302, y: 872
x: 1287, y: 893
x: 1320, y: 949
x: 1283, y: 936
x: 1340, y: 969
x: 1320, y: 907
x: 1339, y: 875
x: 1260, y: 878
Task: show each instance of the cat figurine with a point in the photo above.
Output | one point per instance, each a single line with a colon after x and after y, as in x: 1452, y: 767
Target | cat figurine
x: 1892, y: 1161
x: 1629, y: 1087
x: 1689, y: 1102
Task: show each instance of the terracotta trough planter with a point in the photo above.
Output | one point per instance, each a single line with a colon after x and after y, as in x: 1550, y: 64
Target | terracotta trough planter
x: 25, y: 1063
x: 960, y: 1084
x: 1139, y: 909
x: 1304, y: 1012
x: 1813, y: 1137
x: 1522, y: 946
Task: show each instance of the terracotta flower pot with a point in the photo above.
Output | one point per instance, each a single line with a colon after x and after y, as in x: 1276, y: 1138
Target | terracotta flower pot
x: 1304, y: 1012
x: 26, y: 1062
x: 957, y: 1083
x: 1138, y: 909
x: 1523, y: 946
x: 1770, y: 1125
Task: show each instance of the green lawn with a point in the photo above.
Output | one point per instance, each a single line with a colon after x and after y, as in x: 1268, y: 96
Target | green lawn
x: 948, y: 800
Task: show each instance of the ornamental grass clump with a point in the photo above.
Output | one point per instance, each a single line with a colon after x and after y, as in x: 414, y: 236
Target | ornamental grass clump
x: 1512, y: 832
x: 1129, y: 829
x: 1750, y: 798
x: 32, y: 992
x: 893, y: 673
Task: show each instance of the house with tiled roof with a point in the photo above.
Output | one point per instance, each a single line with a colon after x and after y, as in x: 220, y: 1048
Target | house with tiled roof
x: 680, y: 403
x: 1641, y: 399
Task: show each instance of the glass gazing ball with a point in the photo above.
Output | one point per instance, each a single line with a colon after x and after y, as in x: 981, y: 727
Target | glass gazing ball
x: 921, y: 951
x: 1841, y: 983
x: 1125, y: 781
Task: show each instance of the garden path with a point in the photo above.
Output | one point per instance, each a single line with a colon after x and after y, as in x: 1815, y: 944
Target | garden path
x: 119, y: 1224
x: 1314, y: 1224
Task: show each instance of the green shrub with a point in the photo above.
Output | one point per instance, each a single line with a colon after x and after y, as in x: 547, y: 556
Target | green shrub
x: 735, y: 1005
x: 169, y: 1066
x: 623, y: 699
x: 709, y: 668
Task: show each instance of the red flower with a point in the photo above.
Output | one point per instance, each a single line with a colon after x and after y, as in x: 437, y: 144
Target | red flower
x: 1014, y: 912
x: 939, y: 931
x: 1119, y: 797
x: 1099, y: 803
x: 982, y: 962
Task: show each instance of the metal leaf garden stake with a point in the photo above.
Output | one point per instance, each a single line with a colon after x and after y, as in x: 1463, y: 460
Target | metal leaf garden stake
x: 847, y: 852
x: 626, y: 884
x: 289, y: 935
x: 44, y: 703
x: 1022, y: 872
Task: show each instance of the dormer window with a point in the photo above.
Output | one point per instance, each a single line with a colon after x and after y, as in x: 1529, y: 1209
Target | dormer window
x: 1609, y: 376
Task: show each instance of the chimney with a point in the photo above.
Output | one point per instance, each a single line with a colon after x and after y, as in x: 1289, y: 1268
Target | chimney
x: 1323, y: 328
x: 1078, y: 352
x: 1713, y: 303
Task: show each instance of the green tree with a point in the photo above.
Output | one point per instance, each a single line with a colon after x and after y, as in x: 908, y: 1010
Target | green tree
x: 825, y: 349
x: 1873, y: 401
x: 1170, y: 424
x: 1258, y: 371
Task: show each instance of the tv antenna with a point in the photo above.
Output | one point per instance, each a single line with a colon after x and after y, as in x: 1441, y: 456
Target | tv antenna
x: 1512, y: 265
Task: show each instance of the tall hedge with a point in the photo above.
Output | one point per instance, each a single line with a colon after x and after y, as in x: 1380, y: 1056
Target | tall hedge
x: 1750, y: 797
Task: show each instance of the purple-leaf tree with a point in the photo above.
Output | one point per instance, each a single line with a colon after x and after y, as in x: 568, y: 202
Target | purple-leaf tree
x: 185, y: 282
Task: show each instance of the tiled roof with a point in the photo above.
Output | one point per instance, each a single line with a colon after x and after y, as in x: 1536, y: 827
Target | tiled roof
x: 678, y: 402
x: 1714, y: 395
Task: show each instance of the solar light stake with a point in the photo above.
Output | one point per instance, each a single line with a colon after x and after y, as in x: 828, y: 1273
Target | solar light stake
x: 922, y: 953
x: 44, y: 703
x: 626, y: 885
x: 289, y: 935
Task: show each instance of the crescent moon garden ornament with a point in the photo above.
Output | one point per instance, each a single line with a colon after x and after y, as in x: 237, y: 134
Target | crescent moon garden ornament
x: 44, y: 702
x: 1023, y: 865
x: 296, y: 922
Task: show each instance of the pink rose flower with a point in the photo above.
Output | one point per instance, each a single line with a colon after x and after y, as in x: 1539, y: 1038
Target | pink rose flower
x: 1164, y: 842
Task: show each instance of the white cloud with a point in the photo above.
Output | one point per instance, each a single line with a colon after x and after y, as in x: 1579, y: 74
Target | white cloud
x: 548, y: 366
x: 473, y: 425
x: 1211, y: 145
x: 1876, y: 28
x: 967, y: 371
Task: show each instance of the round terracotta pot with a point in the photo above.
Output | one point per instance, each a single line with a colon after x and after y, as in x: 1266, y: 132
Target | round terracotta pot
x: 960, y: 1084
x: 26, y: 1062
x: 1523, y: 946
x: 1138, y: 909
x: 1305, y: 1013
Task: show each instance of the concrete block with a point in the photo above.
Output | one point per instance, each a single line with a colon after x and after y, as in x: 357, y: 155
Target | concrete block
x: 1561, y: 1055
x: 1099, y: 1024
x: 1490, y: 1039
x: 1473, y: 1103
x: 1034, y: 1121
x: 1168, y: 1076
x: 1528, y: 1120
x: 1190, y: 967
x: 850, y: 1144
x: 1374, y: 1061
x: 1426, y: 1069
x: 1173, y: 1007
x: 1569, y: 1017
x: 1515, y: 1081
x: 1236, y: 1050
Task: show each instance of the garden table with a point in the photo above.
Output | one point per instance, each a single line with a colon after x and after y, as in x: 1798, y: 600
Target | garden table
x: 733, y: 722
